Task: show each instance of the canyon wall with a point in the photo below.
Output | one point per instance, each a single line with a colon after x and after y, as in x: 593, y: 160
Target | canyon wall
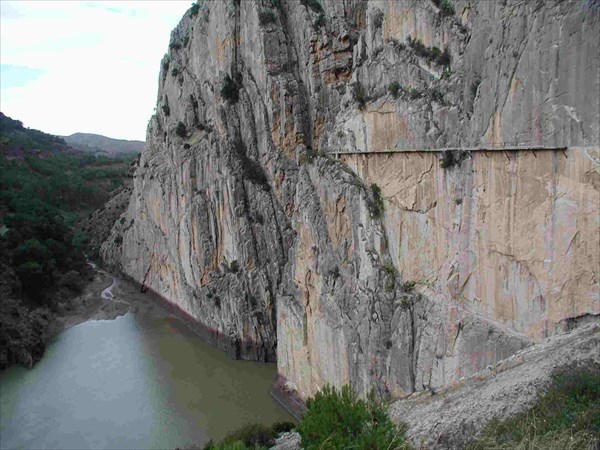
x: 511, y: 235
x: 243, y: 223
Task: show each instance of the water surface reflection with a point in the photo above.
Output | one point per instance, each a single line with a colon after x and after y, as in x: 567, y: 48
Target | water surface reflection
x: 134, y: 382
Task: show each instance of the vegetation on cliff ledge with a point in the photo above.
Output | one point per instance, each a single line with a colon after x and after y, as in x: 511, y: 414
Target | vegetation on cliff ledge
x: 339, y: 419
x: 446, y: 7
x: 230, y: 89
x: 376, y: 205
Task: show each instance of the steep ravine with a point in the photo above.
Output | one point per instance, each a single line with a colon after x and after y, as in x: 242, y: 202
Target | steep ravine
x: 240, y: 220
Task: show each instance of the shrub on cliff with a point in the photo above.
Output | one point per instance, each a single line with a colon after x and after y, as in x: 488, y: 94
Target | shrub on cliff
x: 451, y: 158
x: 320, y: 21
x: 230, y: 89
x: 315, y: 5
x: 181, y: 130
x: 194, y: 9
x: 446, y: 8
x: 394, y: 89
x: 339, y: 420
x: 359, y: 95
x: 266, y: 17
x: 432, y: 54
x: 376, y: 205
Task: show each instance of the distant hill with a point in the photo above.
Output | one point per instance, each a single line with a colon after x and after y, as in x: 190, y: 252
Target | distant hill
x: 16, y: 140
x: 94, y: 143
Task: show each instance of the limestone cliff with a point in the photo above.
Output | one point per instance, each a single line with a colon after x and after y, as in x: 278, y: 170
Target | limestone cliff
x: 241, y: 220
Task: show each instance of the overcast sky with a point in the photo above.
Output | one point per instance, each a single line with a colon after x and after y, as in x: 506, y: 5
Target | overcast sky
x: 84, y: 66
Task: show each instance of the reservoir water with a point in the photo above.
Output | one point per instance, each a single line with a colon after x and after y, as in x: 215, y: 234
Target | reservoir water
x: 133, y: 382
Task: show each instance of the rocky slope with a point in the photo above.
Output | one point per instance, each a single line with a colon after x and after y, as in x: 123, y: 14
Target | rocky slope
x: 240, y: 220
x: 453, y: 417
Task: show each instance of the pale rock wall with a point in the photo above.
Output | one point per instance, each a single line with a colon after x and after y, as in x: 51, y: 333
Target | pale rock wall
x: 511, y: 236
x: 521, y: 73
x: 275, y: 250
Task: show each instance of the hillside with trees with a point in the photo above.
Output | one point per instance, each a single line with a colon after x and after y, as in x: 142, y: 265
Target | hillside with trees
x: 17, y: 141
x: 46, y: 188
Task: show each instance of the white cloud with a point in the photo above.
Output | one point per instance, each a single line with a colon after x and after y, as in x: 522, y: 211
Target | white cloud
x: 100, y: 63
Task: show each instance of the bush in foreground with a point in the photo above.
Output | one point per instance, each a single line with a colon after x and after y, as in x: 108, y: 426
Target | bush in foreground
x: 340, y: 420
x: 335, y: 419
x: 565, y: 416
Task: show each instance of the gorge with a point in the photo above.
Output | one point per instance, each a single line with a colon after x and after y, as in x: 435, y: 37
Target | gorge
x: 399, y: 197
x: 403, y: 271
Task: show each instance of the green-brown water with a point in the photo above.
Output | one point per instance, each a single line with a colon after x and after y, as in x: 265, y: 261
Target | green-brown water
x: 133, y: 382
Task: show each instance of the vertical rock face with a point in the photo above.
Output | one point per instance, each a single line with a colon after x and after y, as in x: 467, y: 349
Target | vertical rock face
x: 501, y: 233
x: 239, y: 220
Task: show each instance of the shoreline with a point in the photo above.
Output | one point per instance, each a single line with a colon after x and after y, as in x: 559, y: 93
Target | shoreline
x: 235, y: 348
x: 94, y: 303
x: 89, y: 305
x: 288, y: 399
x: 127, y: 297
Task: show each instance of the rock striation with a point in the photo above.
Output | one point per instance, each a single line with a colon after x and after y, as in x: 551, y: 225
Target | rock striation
x: 383, y: 271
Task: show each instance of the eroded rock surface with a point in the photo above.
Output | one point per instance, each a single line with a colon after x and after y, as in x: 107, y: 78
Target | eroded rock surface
x: 239, y: 220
